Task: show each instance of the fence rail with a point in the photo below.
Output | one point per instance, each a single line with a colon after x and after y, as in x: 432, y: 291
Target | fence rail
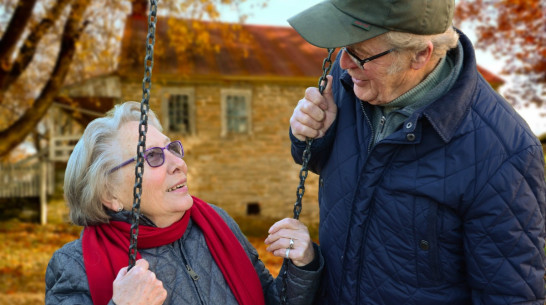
x: 20, y: 180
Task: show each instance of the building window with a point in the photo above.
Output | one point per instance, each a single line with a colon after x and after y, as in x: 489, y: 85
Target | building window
x: 178, y: 111
x: 253, y: 208
x: 236, y: 111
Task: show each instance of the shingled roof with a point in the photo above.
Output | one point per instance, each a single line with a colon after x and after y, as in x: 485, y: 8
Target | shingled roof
x: 268, y: 52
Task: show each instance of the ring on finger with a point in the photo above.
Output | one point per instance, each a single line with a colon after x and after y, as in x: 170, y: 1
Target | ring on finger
x: 287, y: 253
x: 291, y: 246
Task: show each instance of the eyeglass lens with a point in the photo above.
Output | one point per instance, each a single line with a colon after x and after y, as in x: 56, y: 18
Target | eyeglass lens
x: 155, y: 156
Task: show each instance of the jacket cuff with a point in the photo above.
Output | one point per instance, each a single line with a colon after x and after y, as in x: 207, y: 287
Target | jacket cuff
x: 312, y: 269
x: 318, y: 144
x: 314, y: 265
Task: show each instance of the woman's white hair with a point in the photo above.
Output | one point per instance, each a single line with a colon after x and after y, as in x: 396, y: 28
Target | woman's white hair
x: 87, y: 179
x: 407, y: 45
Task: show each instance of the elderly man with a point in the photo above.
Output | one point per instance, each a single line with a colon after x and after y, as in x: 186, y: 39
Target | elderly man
x: 431, y: 186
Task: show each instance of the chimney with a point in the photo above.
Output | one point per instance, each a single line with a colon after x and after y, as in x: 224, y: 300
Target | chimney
x: 140, y: 9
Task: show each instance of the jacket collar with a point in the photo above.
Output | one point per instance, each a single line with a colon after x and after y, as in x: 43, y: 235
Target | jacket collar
x: 446, y: 113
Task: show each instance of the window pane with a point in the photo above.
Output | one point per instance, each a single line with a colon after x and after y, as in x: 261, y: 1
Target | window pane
x: 237, y: 120
x: 179, y: 114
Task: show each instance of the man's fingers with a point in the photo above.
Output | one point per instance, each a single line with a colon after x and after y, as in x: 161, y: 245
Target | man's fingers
x: 308, y: 120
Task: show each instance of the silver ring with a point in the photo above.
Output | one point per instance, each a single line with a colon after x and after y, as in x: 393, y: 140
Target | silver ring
x: 287, y: 253
x: 291, y: 246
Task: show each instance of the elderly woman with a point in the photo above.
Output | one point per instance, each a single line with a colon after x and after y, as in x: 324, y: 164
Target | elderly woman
x: 191, y: 252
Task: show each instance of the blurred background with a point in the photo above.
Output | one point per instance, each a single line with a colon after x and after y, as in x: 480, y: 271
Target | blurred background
x: 226, y: 77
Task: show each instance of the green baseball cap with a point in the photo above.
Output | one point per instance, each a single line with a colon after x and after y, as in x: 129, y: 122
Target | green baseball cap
x: 338, y: 23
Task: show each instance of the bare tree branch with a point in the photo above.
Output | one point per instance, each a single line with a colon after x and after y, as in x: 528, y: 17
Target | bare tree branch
x: 28, y: 48
x: 17, y: 132
x: 14, y: 30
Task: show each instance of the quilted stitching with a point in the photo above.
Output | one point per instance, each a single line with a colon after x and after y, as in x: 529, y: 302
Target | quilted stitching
x: 66, y: 282
x: 472, y: 196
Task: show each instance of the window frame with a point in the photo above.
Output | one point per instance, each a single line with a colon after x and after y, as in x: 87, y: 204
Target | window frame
x: 166, y: 94
x: 247, y: 94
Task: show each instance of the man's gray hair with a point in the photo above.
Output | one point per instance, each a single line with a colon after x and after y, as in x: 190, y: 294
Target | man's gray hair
x: 87, y: 179
x: 407, y: 44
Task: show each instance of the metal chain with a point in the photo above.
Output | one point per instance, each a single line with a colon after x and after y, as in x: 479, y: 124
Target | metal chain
x: 143, y: 128
x: 323, y: 81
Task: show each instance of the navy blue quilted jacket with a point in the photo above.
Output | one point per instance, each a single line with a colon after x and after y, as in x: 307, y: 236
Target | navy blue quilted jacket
x: 449, y: 209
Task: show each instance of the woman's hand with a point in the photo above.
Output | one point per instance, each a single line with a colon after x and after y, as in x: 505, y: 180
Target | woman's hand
x: 138, y: 286
x: 301, y: 252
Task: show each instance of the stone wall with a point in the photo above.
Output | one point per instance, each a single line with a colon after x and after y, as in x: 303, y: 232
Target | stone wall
x: 235, y: 171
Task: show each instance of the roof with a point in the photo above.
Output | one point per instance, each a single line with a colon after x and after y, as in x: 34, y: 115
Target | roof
x: 265, y: 51
x: 490, y: 77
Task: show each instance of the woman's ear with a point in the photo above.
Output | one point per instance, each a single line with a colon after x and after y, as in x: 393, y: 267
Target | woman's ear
x: 112, y: 203
x: 422, y: 58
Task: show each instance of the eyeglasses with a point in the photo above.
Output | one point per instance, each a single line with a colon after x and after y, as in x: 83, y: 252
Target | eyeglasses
x: 360, y: 62
x: 155, y: 156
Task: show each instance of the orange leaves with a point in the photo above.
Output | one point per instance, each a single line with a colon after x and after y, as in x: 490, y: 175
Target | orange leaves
x: 514, y: 30
x: 272, y: 263
x: 26, y: 250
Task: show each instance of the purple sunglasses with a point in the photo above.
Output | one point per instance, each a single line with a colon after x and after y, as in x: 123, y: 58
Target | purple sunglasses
x: 155, y: 156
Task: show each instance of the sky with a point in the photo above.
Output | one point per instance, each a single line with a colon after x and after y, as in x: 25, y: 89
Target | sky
x: 276, y: 12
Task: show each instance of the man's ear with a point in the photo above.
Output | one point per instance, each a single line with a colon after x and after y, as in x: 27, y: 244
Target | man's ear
x: 422, y: 58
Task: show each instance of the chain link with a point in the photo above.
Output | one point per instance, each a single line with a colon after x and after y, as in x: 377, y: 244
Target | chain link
x: 323, y: 81
x: 143, y: 128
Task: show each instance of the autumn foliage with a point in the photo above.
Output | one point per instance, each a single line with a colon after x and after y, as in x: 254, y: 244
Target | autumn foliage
x: 515, y: 32
x: 27, y: 248
x: 48, y: 44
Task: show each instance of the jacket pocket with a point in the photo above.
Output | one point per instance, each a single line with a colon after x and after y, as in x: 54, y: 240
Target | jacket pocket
x: 427, y: 245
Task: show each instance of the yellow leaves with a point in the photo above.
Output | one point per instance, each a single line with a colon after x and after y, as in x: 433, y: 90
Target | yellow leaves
x: 211, y: 10
x: 26, y: 250
x: 272, y: 263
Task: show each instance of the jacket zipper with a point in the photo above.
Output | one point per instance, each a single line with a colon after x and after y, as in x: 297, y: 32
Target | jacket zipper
x: 382, y: 124
x: 192, y: 273
x: 369, y: 124
x: 194, y: 276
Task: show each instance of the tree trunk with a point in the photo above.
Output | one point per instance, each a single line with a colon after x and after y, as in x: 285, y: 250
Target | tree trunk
x: 13, y: 32
x: 17, y: 132
x: 10, y: 71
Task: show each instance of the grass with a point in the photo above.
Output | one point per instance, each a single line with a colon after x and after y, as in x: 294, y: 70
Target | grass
x: 27, y: 248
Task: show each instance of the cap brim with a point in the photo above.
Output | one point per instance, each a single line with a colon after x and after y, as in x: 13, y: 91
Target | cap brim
x: 325, y: 26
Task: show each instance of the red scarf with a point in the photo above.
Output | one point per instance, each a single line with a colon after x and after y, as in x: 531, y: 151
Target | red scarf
x: 105, y: 252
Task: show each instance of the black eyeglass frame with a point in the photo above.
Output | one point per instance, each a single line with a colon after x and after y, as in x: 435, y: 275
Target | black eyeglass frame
x: 361, y: 62
x: 146, y: 156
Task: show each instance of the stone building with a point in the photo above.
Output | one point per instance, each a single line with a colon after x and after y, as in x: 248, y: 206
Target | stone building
x: 230, y: 108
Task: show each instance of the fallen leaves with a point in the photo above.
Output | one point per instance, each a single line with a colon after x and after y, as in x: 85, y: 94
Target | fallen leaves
x: 27, y: 248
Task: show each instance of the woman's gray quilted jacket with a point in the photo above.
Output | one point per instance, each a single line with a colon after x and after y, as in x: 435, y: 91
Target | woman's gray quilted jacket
x: 66, y: 281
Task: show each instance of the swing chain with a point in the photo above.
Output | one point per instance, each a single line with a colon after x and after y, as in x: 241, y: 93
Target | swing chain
x: 143, y: 128
x: 323, y: 81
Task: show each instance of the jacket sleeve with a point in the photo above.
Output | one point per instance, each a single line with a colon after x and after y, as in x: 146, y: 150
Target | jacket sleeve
x: 504, y: 233
x: 302, y: 284
x: 66, y: 281
x: 320, y: 149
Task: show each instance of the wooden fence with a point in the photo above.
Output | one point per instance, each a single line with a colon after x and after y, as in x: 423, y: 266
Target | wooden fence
x: 20, y: 180
x: 26, y: 179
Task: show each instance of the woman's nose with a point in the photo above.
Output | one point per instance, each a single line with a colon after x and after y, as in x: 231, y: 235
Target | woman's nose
x: 175, y: 163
